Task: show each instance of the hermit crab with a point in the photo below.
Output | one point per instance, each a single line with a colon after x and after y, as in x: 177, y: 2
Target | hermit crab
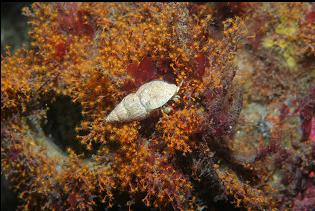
x: 139, y: 105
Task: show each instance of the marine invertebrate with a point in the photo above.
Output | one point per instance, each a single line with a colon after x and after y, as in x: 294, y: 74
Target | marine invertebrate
x: 95, y: 54
x: 87, y: 54
x: 139, y: 105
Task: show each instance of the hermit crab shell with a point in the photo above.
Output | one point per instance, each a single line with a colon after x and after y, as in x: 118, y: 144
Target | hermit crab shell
x: 139, y: 105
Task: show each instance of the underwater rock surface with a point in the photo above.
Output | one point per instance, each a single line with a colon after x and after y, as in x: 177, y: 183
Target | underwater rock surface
x: 238, y: 135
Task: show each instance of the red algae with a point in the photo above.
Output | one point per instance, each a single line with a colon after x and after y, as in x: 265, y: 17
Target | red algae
x: 200, y: 65
x: 239, y: 134
x: 61, y: 49
x: 143, y: 72
x: 73, y: 20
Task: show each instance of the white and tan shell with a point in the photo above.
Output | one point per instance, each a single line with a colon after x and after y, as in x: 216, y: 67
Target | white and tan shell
x: 139, y: 105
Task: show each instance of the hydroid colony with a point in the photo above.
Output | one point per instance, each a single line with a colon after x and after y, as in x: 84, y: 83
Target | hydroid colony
x: 240, y: 131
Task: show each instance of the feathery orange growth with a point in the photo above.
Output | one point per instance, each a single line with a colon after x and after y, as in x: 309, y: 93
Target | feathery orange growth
x: 177, y: 130
x: 243, y: 193
x: 91, y: 52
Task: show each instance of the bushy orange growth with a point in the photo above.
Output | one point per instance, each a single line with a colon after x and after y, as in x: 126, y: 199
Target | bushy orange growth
x: 177, y: 130
x: 243, y: 193
x: 87, y: 184
x: 96, y: 54
x: 26, y: 165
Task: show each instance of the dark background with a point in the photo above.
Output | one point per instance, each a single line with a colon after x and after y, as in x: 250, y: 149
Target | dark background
x: 13, y: 25
x: 13, y: 33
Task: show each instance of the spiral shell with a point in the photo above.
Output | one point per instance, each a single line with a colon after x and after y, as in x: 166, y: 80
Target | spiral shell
x: 139, y: 105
